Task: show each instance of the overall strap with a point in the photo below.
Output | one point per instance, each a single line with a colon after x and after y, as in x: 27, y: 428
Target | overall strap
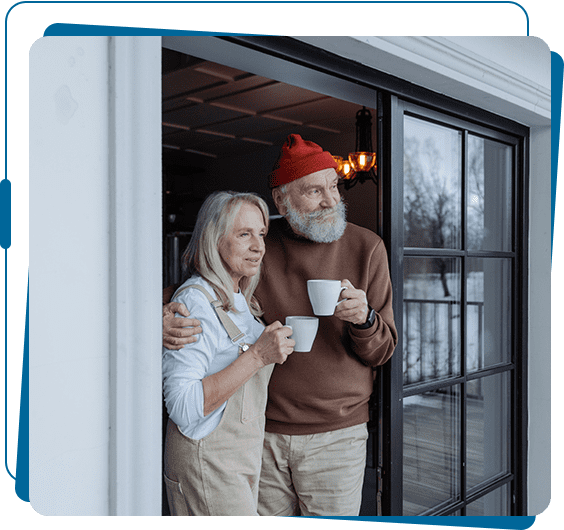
x: 235, y: 334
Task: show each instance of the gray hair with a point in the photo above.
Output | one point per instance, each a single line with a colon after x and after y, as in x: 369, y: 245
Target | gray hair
x: 215, y: 218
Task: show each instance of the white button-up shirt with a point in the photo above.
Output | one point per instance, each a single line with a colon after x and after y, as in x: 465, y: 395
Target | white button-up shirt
x: 184, y: 369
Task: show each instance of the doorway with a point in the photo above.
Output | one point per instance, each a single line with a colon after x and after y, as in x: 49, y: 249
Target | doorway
x: 222, y: 128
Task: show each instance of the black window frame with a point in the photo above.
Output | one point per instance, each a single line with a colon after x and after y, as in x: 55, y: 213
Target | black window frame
x: 517, y: 365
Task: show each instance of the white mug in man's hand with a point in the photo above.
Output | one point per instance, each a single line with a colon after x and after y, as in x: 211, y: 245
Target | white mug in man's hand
x: 304, y: 330
x: 324, y: 296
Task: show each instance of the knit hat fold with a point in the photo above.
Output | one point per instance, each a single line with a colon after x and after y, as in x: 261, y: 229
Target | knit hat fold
x: 298, y: 158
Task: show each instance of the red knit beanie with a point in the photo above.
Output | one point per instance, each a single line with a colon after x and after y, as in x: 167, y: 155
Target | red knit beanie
x: 298, y: 158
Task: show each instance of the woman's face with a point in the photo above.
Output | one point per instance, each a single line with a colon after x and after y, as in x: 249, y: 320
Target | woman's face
x: 242, y: 248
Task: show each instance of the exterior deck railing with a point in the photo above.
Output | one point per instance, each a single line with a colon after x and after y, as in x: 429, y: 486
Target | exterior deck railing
x: 431, y: 337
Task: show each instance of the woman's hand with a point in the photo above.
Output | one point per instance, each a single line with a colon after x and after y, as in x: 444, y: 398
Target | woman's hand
x: 178, y: 331
x: 274, y: 345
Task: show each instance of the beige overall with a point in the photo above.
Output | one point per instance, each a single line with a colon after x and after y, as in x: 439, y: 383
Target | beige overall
x: 219, y: 474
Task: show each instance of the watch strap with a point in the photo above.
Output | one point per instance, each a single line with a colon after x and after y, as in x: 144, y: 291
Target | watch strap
x: 370, y: 319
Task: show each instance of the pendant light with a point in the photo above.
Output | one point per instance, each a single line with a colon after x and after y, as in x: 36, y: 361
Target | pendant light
x: 361, y: 164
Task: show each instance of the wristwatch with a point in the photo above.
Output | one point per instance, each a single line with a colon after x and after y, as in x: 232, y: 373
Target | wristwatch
x: 243, y: 348
x: 369, y: 320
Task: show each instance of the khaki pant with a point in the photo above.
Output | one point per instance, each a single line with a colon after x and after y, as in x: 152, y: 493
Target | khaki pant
x: 219, y: 474
x: 317, y: 474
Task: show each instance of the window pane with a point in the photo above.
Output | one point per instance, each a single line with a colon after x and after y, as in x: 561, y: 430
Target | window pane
x: 495, y: 503
x: 432, y: 185
x: 488, y: 428
x: 431, y: 454
x: 489, y: 211
x: 488, y: 312
x: 431, y: 318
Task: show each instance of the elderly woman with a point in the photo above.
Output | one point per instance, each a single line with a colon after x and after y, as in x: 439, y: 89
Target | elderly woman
x: 215, y: 388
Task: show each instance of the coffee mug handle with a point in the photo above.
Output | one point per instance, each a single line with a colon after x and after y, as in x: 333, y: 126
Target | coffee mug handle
x: 288, y: 326
x: 342, y: 289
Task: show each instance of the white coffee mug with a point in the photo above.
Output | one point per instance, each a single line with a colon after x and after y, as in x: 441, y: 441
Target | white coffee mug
x: 323, y: 295
x: 304, y: 330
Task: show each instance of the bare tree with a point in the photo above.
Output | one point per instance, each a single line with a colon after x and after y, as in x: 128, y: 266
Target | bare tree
x: 476, y: 202
x: 429, y: 203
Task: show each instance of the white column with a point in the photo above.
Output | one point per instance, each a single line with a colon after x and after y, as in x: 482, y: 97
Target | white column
x: 135, y: 275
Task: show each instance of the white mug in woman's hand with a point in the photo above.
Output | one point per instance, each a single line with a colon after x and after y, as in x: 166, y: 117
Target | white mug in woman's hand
x: 304, y: 330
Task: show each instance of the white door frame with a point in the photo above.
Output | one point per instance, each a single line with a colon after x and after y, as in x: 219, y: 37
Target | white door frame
x: 135, y: 275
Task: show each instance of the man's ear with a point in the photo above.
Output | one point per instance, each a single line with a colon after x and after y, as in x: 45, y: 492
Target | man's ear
x: 277, y: 197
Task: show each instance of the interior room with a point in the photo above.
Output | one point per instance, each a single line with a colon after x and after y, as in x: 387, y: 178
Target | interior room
x: 223, y: 129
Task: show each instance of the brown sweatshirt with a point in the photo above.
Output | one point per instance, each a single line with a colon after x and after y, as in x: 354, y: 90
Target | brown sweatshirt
x: 329, y: 387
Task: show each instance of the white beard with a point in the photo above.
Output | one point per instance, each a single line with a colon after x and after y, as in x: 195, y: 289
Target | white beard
x: 318, y: 226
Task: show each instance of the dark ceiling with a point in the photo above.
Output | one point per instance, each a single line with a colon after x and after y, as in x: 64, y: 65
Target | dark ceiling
x: 214, y: 111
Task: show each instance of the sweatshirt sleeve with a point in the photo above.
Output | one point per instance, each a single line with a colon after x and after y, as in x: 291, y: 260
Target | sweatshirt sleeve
x: 184, y: 369
x: 376, y: 344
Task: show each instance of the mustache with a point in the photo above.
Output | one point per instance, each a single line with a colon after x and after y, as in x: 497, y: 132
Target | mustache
x: 326, y: 212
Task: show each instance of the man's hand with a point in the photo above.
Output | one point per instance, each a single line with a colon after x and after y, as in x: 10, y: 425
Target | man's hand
x: 353, y: 305
x: 178, y: 331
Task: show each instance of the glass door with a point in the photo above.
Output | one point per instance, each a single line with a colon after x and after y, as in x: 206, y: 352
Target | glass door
x: 456, y: 378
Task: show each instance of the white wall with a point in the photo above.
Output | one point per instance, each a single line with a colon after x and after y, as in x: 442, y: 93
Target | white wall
x: 539, y: 322
x: 95, y: 276
x: 69, y: 276
x: 521, y: 56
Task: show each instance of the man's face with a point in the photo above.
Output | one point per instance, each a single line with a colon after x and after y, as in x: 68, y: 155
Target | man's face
x: 313, y: 207
x: 314, y: 192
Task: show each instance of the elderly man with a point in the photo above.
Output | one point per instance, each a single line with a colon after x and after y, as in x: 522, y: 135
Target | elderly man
x: 315, y: 446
